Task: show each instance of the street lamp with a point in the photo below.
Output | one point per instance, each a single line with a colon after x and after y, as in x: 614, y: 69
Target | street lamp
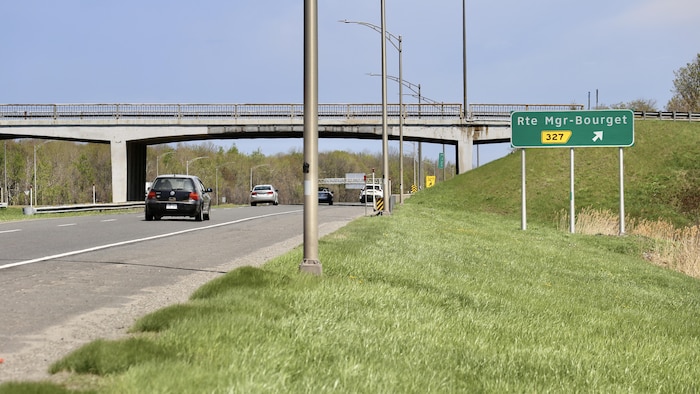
x: 158, y: 159
x: 386, y: 36
x: 187, y: 163
x: 464, y: 55
x: 251, y: 173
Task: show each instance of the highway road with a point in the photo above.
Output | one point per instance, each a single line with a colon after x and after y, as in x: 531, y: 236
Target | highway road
x: 66, y: 281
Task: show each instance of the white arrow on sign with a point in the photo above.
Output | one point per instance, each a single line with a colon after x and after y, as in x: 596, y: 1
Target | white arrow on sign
x: 598, y: 135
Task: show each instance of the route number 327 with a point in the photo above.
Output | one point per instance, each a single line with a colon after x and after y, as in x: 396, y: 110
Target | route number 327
x: 556, y: 137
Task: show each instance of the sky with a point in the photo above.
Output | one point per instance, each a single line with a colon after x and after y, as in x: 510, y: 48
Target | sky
x: 224, y: 51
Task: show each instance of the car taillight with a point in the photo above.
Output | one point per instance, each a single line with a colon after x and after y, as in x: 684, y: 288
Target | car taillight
x: 194, y: 196
x: 151, y: 195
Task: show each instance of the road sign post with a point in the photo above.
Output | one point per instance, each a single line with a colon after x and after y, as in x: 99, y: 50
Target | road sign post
x: 572, y: 129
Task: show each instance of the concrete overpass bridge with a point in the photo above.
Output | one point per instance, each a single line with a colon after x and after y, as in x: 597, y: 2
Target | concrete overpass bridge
x: 130, y: 128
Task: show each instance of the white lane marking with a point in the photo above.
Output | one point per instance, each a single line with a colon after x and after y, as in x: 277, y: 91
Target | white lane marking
x: 10, y: 231
x: 67, y: 224
x: 133, y: 241
x: 108, y: 220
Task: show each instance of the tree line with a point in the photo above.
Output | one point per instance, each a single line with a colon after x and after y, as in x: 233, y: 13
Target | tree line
x: 68, y: 172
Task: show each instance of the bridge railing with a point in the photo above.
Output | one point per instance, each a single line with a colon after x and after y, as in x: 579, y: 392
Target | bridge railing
x: 219, y: 111
x: 503, y: 111
x: 478, y: 112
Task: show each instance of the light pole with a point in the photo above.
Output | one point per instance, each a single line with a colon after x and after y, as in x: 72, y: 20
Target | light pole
x: 386, y: 36
x: 216, y: 176
x: 251, y: 173
x: 310, y: 263
x: 464, y: 55
x: 187, y: 163
x: 5, y: 174
x: 158, y: 159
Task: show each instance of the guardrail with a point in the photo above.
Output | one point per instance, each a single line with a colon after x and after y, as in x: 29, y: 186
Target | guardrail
x: 666, y: 115
x: 82, y: 207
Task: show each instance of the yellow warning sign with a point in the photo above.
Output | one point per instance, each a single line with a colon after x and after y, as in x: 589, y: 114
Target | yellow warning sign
x: 430, y: 181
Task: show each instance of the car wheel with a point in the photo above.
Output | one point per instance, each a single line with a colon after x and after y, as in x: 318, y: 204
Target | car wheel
x: 330, y: 203
x: 206, y: 216
x: 149, y: 217
x: 199, y: 216
x: 252, y: 204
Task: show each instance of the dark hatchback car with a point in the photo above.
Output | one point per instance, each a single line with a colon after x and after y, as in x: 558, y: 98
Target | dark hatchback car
x: 178, y: 195
x: 325, y: 195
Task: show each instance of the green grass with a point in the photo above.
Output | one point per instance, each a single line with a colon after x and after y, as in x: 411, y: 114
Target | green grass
x: 445, y: 295
x: 11, y: 213
x: 662, y: 179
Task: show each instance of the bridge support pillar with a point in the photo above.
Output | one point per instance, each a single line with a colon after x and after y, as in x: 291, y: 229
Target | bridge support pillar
x: 465, y: 147
x: 128, y: 171
x: 119, y: 171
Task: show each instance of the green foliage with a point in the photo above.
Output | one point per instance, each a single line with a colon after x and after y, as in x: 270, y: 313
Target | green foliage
x: 686, y: 88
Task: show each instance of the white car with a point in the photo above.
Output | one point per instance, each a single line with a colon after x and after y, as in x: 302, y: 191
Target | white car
x: 371, y: 192
x: 264, y: 194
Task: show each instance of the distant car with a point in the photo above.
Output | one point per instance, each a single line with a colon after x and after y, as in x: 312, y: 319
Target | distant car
x: 371, y: 192
x: 264, y: 194
x: 178, y: 195
x: 325, y: 195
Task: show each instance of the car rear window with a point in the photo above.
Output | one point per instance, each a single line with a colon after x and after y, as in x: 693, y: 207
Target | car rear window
x: 174, y: 184
x: 262, y: 188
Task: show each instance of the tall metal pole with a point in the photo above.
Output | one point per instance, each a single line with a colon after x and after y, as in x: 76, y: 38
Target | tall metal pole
x: 7, y: 193
x: 385, y: 140
x: 385, y: 131
x: 401, y: 114
x: 464, y: 55
x: 310, y: 263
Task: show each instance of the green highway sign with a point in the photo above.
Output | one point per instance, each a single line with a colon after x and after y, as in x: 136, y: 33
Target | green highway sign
x: 571, y: 129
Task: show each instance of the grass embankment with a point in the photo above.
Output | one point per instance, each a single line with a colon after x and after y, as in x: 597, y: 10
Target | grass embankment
x: 445, y: 295
x: 11, y: 213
